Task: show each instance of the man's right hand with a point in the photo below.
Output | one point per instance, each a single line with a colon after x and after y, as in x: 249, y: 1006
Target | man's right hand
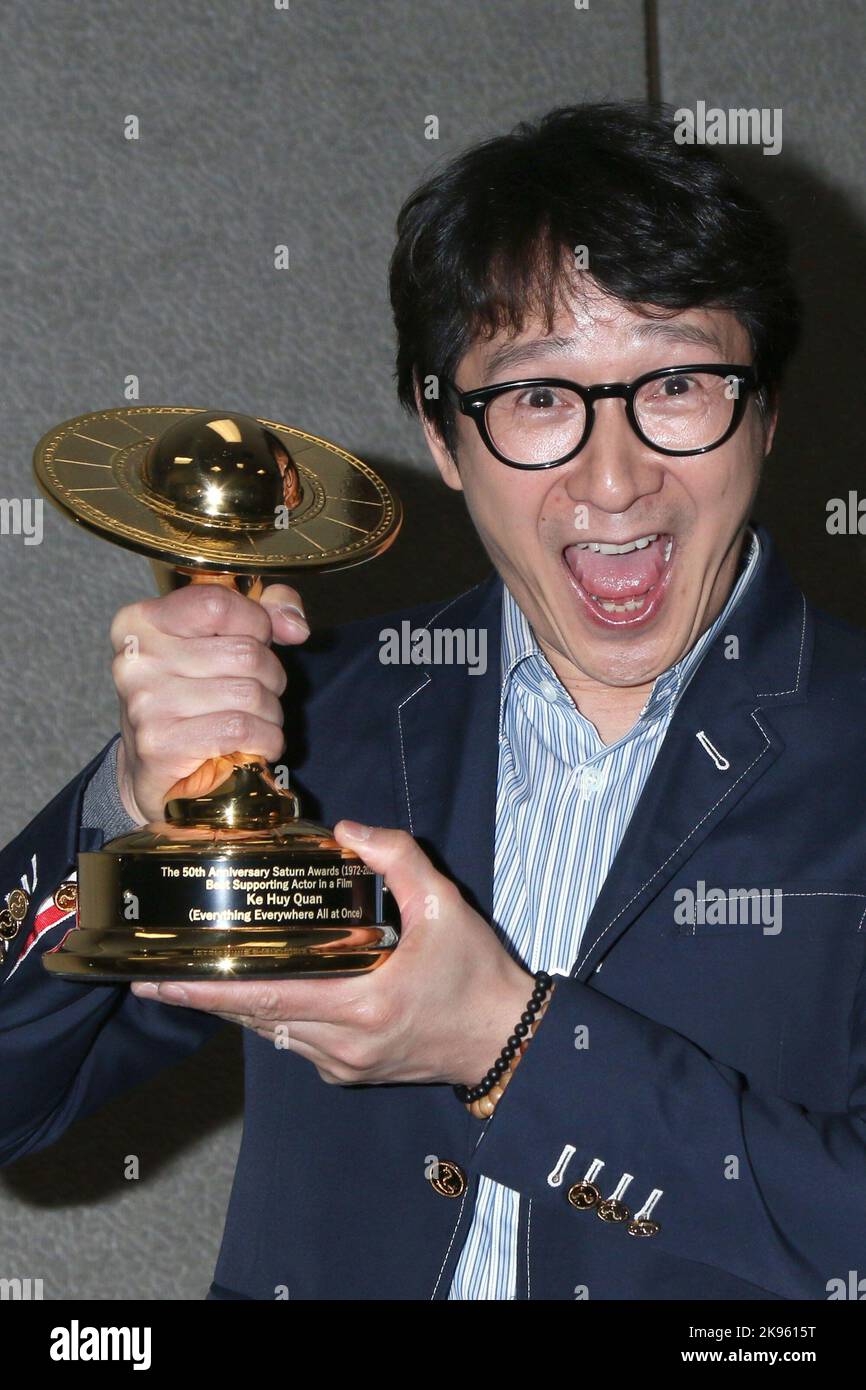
x: 197, y: 678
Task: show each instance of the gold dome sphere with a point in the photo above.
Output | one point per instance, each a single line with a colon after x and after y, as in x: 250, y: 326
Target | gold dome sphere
x: 220, y: 469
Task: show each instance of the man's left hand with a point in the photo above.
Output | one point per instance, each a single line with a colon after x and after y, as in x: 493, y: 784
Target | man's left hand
x: 439, y: 1009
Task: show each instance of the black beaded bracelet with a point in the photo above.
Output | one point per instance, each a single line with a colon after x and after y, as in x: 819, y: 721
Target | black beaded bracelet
x: 467, y: 1094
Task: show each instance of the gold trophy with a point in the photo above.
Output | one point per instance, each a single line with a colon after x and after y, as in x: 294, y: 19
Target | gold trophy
x: 233, y: 882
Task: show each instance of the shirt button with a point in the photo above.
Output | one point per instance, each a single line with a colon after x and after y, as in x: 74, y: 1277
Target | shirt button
x: 548, y: 690
x: 589, y: 781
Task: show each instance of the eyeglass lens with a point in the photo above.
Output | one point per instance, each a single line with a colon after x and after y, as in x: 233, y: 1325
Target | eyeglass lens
x: 540, y: 424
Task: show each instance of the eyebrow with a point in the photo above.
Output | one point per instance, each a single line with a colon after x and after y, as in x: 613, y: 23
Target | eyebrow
x: 510, y: 354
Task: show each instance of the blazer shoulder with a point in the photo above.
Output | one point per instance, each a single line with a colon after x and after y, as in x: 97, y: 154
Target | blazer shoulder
x: 347, y: 647
x: 836, y: 693
x: 838, y: 656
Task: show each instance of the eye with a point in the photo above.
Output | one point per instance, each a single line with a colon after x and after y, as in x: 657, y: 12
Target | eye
x: 538, y: 398
x: 677, y: 385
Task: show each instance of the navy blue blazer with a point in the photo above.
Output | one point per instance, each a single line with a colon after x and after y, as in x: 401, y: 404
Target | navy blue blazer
x: 725, y: 1066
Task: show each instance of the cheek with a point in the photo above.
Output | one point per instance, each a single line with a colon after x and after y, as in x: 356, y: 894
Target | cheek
x: 503, y: 528
x: 507, y: 509
x: 728, y: 480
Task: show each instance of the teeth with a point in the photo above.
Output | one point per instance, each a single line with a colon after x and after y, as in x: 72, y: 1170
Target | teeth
x: 629, y: 606
x: 601, y: 548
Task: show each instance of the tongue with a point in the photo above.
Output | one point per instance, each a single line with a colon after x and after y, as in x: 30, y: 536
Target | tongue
x: 618, y: 576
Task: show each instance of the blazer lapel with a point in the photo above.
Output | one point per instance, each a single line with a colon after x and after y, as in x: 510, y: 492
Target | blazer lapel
x: 445, y: 750
x: 720, y: 742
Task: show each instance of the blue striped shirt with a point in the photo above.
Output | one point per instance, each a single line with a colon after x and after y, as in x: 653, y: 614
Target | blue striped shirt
x: 563, y: 802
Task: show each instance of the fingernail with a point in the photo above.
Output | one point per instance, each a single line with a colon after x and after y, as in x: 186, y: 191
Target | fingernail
x: 173, y: 993
x: 144, y: 990
x: 295, y: 618
x: 355, y: 830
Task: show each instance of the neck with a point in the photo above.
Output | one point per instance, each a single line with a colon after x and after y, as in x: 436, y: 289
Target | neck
x: 611, y: 709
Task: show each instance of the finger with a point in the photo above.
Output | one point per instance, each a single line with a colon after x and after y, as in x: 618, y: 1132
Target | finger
x: 198, y: 658
x: 182, y: 742
x: 325, y: 1039
x: 325, y: 1002
x: 286, y: 612
x: 198, y: 610
x: 397, y: 856
x: 315, y: 1042
x: 175, y: 697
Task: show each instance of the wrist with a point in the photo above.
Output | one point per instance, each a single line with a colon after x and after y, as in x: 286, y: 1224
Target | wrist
x: 481, y: 1097
x: 124, y: 786
x: 492, y: 1020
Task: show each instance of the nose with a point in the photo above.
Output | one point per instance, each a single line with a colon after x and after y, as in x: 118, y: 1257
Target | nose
x: 614, y: 468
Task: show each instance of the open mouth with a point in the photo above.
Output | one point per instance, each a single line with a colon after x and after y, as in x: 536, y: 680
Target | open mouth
x: 623, y: 584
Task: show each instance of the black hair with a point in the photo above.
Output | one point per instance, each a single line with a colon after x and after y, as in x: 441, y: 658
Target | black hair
x: 490, y: 238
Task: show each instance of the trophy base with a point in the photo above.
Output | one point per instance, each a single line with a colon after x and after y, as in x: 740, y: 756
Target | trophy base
x: 212, y: 954
x: 207, y: 901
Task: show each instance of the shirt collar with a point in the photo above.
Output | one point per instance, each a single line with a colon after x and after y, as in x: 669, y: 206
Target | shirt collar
x: 523, y: 659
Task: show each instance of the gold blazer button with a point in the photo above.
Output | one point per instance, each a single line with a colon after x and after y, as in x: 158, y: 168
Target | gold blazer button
x: 66, y: 896
x: 448, y: 1179
x: 642, y: 1226
x: 18, y: 902
x: 584, y: 1196
x: 8, y: 925
x: 612, y: 1210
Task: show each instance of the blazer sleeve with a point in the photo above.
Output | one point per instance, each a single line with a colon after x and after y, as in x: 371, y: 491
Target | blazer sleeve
x: 66, y: 1048
x: 648, y: 1102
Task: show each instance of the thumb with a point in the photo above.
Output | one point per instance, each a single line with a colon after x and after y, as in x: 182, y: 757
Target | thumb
x: 286, y: 612
x: 399, y: 859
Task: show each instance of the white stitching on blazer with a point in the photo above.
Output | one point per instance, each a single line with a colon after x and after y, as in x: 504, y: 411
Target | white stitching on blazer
x: 817, y: 893
x: 422, y: 686
x: 424, y: 683
x: 767, y: 694
x: 685, y: 840
x: 450, y: 1243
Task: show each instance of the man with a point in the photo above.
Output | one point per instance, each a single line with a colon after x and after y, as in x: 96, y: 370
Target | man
x: 651, y: 795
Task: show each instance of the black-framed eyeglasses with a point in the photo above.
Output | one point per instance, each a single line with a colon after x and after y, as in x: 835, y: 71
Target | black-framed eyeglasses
x: 544, y: 421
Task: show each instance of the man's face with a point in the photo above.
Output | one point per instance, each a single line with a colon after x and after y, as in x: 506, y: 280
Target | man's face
x: 536, y: 526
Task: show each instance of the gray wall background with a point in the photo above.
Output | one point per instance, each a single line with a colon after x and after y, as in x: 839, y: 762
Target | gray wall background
x: 155, y: 257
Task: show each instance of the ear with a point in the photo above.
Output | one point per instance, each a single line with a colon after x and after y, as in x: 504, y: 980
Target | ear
x: 441, y: 457
x: 771, y: 420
